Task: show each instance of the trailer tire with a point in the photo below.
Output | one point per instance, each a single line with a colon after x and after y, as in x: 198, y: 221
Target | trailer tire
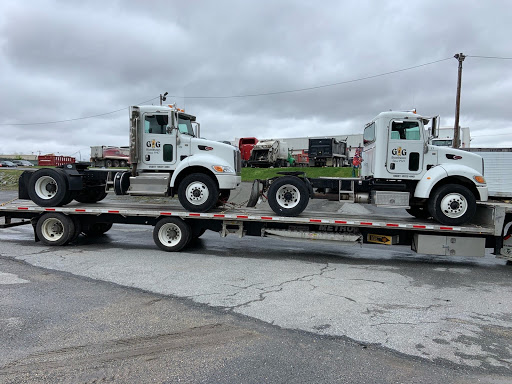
x: 171, y: 234
x: 48, y: 188
x: 91, y: 195
x: 54, y: 228
x: 108, y: 163
x: 452, y: 204
x: 97, y: 229
x: 78, y: 228
x: 198, y: 192
x: 419, y: 212
x: 288, y: 196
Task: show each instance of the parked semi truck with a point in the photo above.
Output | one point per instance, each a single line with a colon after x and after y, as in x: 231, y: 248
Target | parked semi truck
x: 109, y: 156
x: 400, y: 169
x: 327, y: 152
x: 167, y: 158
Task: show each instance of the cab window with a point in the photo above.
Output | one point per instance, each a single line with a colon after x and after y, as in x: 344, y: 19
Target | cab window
x: 405, y: 130
x: 369, y: 134
x: 156, y: 124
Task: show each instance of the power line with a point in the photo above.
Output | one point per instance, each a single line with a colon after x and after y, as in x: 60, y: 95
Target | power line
x: 241, y: 96
x: 490, y: 57
x: 78, y: 118
x: 311, y: 88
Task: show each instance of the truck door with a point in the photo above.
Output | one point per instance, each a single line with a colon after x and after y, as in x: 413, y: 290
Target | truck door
x: 158, y: 145
x: 405, y: 148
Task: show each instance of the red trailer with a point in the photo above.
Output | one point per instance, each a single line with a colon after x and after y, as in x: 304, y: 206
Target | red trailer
x: 246, y: 144
x: 52, y: 160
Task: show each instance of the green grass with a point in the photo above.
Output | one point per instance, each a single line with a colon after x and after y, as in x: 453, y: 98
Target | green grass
x: 9, y: 179
x: 249, y: 174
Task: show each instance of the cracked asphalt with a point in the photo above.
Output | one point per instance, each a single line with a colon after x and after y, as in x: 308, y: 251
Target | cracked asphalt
x: 449, y: 312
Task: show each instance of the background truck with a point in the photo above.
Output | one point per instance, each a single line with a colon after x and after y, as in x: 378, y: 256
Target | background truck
x: 269, y: 153
x: 497, y: 167
x: 51, y: 160
x: 108, y: 156
x: 246, y: 145
x: 327, y: 152
x: 445, y: 137
x: 399, y: 169
x: 167, y: 158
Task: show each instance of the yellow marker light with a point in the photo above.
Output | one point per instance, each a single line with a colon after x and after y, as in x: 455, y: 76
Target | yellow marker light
x: 428, y: 178
x: 218, y: 168
x: 479, y: 179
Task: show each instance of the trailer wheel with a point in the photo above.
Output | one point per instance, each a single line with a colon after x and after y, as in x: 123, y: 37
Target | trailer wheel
x: 288, y: 196
x: 97, y: 229
x: 419, y: 212
x: 198, y: 192
x: 55, y: 228
x: 108, y: 163
x: 78, y: 228
x: 171, y: 234
x: 48, y: 188
x: 91, y: 195
x: 123, y: 163
x: 452, y: 204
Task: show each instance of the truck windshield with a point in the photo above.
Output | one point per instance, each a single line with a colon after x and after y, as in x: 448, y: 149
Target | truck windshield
x: 185, y: 125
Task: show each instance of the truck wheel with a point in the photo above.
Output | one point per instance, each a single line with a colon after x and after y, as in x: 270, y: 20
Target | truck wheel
x: 288, y: 196
x: 452, y: 204
x: 78, y: 228
x: 97, y: 229
x: 223, y: 197
x: 116, y: 163
x: 55, y: 228
x: 47, y: 188
x: 108, y: 163
x: 171, y: 234
x: 418, y: 212
x: 198, y: 192
x: 122, y: 163
x: 91, y: 195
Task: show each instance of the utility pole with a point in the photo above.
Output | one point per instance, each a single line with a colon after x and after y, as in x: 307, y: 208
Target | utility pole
x: 456, y: 129
x: 163, y: 98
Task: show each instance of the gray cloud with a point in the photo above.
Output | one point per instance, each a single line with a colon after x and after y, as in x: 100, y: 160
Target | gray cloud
x: 62, y: 60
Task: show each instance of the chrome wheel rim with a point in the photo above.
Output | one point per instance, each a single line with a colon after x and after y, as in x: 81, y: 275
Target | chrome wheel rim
x: 197, y: 193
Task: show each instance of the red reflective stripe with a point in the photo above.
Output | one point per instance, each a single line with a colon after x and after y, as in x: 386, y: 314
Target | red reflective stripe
x: 79, y: 210
x: 340, y: 222
x: 315, y: 220
x: 446, y: 228
x: 391, y: 225
x: 219, y: 215
x: 113, y: 211
x: 50, y: 209
x: 166, y: 213
x: 242, y: 217
x: 23, y: 208
x: 419, y: 226
x: 366, y: 223
x: 266, y: 218
x: 194, y: 214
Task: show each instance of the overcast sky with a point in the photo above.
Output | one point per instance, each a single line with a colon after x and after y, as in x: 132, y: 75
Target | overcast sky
x: 70, y: 59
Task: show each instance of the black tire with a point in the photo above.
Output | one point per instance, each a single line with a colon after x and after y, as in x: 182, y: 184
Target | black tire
x: 171, y: 234
x: 223, y: 197
x: 418, y: 212
x: 78, y: 228
x: 97, y: 229
x: 116, y: 163
x: 123, y: 163
x: 198, y: 192
x: 54, y: 228
x: 108, y: 163
x: 48, y: 188
x: 91, y: 195
x: 452, y: 204
x: 288, y: 196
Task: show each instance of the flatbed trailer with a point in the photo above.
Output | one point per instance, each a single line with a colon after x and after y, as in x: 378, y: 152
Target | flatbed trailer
x: 176, y: 227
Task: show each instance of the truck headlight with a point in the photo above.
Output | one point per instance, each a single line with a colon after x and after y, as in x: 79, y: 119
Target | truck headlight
x: 223, y: 169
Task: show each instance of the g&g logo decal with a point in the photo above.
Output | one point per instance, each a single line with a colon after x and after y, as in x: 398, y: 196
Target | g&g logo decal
x: 153, y: 144
x: 399, y: 151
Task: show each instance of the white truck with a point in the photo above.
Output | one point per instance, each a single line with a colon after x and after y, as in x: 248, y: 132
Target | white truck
x: 444, y: 137
x: 400, y: 169
x: 167, y: 158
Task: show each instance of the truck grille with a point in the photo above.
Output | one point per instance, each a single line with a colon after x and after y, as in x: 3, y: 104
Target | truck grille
x: 238, y: 162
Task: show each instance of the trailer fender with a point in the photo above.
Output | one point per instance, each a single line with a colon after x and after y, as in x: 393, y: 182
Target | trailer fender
x: 436, y: 174
x: 205, y: 161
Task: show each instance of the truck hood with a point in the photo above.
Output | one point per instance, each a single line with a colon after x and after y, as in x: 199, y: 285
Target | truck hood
x: 447, y: 155
x: 222, y: 151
